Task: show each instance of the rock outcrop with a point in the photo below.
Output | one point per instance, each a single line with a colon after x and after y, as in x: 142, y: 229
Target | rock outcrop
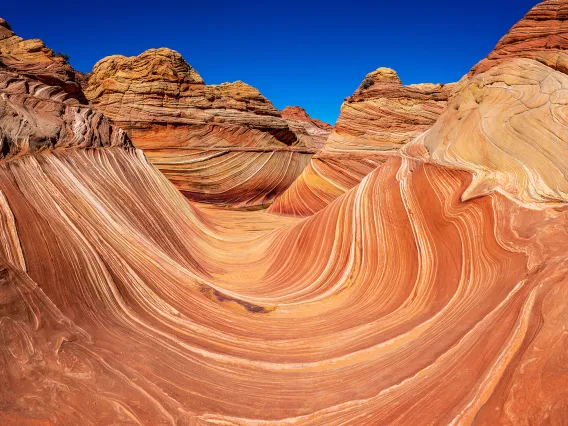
x: 380, y: 117
x: 507, y: 123
x: 542, y: 35
x: 31, y: 58
x: 40, y: 103
x: 310, y: 132
x: 223, y: 144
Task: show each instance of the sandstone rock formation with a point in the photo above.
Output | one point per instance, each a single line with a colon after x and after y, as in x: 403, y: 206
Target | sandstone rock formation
x: 507, y: 123
x: 30, y: 58
x: 541, y: 35
x: 223, y: 144
x: 35, y: 117
x: 401, y: 302
x: 310, y: 132
x: 380, y: 117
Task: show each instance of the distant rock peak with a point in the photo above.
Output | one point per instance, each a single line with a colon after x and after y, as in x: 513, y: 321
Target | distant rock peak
x: 5, y: 24
x: 385, y: 83
x: 150, y: 65
x: 300, y: 114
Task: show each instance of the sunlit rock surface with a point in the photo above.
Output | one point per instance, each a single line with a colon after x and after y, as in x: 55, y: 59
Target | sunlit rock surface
x: 31, y: 58
x: 508, y: 122
x: 542, y: 35
x: 380, y: 117
x: 402, y: 302
x: 224, y: 144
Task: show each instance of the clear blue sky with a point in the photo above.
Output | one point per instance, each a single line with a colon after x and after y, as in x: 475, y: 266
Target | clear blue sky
x: 296, y: 52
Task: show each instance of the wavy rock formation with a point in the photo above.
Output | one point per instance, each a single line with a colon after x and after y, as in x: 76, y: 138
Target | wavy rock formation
x: 401, y: 302
x: 375, y: 122
x: 508, y: 122
x: 405, y: 285
x: 311, y: 132
x: 223, y: 144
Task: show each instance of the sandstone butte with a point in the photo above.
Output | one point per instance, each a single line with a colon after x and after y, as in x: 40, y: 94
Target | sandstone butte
x: 380, y: 117
x: 223, y: 144
x: 311, y: 132
x: 432, y: 292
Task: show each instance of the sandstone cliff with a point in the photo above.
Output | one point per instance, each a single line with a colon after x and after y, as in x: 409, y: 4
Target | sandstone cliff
x: 40, y: 105
x: 380, y: 117
x: 31, y: 58
x: 223, y: 144
x: 507, y: 123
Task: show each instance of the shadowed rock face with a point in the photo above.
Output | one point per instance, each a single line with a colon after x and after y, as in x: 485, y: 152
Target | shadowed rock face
x: 223, y: 144
x: 403, y: 301
x: 380, y: 117
x: 310, y: 131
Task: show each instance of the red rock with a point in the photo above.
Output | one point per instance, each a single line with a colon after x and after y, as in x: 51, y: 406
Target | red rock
x: 507, y: 122
x: 541, y: 35
x: 310, y: 131
x: 377, y: 120
x: 223, y: 144
x: 32, y: 59
x: 401, y: 302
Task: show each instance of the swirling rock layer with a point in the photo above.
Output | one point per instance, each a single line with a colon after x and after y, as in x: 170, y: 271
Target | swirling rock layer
x: 402, y: 302
x: 211, y: 322
x: 222, y: 144
x: 507, y: 124
x: 376, y: 121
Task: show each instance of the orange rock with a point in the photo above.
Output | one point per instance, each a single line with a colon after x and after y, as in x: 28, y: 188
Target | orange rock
x: 401, y: 302
x: 542, y: 35
x: 223, y: 144
x: 507, y: 122
x: 310, y: 132
x: 376, y: 121
x: 32, y: 59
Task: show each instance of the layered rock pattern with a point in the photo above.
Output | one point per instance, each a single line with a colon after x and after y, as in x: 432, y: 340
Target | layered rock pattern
x: 223, y: 144
x: 374, y: 123
x: 401, y: 302
x: 542, y: 35
x: 404, y: 286
x: 508, y: 122
x: 35, y: 117
x: 31, y: 58
x: 310, y: 132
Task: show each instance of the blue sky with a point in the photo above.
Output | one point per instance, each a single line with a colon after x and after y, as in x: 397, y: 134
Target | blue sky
x: 307, y: 53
